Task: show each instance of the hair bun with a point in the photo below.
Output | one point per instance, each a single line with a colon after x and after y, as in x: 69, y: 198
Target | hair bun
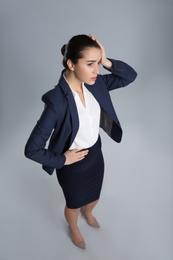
x: 63, y: 49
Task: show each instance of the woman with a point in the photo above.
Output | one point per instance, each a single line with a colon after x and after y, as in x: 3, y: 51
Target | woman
x: 73, y: 112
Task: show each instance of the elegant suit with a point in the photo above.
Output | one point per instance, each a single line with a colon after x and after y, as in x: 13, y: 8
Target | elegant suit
x: 59, y: 120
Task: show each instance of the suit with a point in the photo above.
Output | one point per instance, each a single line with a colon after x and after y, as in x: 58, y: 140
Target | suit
x: 59, y: 120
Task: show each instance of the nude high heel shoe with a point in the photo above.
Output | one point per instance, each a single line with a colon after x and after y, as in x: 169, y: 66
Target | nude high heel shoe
x: 80, y: 244
x: 94, y: 224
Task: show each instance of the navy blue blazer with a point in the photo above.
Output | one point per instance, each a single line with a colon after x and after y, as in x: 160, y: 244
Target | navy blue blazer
x: 59, y: 121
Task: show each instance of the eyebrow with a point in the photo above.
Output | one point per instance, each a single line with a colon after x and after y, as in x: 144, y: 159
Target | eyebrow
x: 93, y: 60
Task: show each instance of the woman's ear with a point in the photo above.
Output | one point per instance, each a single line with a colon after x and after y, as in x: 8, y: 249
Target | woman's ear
x: 70, y: 65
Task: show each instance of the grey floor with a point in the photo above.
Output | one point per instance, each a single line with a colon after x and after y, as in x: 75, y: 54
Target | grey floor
x: 135, y: 209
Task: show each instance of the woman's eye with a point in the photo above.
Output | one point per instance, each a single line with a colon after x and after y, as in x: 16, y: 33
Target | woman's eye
x: 90, y: 64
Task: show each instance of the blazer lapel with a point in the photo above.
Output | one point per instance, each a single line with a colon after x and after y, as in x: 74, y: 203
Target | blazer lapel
x: 72, y: 106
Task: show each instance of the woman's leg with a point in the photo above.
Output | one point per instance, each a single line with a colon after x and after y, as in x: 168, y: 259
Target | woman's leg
x: 71, y: 216
x: 87, y: 211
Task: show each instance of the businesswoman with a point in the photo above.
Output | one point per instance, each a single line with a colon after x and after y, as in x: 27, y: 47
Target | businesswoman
x: 74, y: 110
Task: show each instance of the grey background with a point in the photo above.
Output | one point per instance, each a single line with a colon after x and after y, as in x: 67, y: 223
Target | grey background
x: 135, y: 209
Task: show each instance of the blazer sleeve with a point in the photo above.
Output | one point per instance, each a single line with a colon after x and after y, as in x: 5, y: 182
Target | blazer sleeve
x: 121, y: 75
x: 35, y: 146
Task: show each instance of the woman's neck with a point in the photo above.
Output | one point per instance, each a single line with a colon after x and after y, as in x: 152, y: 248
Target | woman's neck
x: 74, y: 83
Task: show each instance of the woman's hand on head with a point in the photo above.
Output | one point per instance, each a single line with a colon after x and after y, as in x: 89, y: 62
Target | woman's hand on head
x: 74, y: 155
x: 105, y: 62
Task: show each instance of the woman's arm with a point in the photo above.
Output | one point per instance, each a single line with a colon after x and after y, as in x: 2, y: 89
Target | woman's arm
x: 121, y: 73
x: 35, y: 146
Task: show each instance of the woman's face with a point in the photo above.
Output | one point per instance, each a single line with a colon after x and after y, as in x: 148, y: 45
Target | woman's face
x: 87, y: 68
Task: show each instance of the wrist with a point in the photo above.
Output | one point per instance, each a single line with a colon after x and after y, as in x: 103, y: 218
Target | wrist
x: 107, y: 64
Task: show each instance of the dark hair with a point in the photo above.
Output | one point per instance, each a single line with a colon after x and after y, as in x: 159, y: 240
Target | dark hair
x: 74, y: 48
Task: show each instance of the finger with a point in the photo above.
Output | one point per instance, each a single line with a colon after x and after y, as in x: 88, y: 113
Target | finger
x: 82, y: 150
x: 92, y: 37
x: 101, y: 46
x: 80, y: 155
x: 83, y: 153
x: 75, y: 150
x: 81, y: 158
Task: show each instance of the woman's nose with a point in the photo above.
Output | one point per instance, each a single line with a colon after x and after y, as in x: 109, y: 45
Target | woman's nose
x: 96, y: 70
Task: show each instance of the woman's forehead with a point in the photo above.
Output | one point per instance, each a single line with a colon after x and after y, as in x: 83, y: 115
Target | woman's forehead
x: 91, y: 54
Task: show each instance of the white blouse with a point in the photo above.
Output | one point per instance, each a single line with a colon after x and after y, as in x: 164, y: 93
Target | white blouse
x: 89, y: 120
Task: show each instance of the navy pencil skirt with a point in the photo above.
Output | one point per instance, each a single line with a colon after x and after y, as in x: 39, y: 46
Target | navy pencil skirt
x: 81, y: 182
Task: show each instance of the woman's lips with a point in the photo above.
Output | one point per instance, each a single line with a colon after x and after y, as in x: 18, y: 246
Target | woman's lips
x: 94, y: 78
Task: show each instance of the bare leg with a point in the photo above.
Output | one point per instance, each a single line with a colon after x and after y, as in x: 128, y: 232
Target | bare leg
x: 71, y: 216
x: 87, y: 211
